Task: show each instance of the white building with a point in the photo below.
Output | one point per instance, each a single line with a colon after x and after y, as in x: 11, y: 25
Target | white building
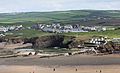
x: 3, y: 29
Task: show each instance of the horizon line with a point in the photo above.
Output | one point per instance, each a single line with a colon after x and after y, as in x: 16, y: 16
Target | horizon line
x: 63, y: 10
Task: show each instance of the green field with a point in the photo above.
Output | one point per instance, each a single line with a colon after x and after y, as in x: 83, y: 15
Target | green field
x: 29, y: 33
x: 35, y: 33
x: 63, y: 17
x: 109, y: 34
x: 41, y: 16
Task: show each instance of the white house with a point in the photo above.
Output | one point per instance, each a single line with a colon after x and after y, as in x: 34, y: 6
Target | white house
x: 3, y: 29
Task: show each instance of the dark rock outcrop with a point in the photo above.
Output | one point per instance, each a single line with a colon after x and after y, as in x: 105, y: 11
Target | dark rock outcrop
x: 46, y: 41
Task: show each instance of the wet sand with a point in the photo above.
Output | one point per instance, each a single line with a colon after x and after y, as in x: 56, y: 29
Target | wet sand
x: 77, y: 60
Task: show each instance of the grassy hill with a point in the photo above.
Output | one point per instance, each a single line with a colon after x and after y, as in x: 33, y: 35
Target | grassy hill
x: 84, y: 17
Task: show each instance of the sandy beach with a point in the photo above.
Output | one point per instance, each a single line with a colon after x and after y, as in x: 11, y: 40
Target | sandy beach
x: 62, y: 64
x: 76, y: 60
x: 67, y: 69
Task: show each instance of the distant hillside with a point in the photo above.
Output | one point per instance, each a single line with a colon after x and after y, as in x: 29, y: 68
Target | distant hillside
x: 83, y: 17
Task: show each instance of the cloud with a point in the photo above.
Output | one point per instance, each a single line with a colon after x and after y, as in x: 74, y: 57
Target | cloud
x: 56, y: 5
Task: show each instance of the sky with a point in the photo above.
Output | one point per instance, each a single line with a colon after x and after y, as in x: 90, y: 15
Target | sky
x: 7, y: 6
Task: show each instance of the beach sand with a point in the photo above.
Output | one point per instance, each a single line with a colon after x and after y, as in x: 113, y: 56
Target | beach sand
x: 76, y: 60
x: 62, y: 64
x: 64, y: 69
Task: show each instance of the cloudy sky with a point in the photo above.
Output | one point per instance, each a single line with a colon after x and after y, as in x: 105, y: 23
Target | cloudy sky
x: 56, y: 5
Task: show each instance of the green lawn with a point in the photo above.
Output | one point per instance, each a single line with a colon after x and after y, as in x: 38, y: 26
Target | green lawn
x: 29, y: 33
x: 33, y: 33
x: 110, y: 34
